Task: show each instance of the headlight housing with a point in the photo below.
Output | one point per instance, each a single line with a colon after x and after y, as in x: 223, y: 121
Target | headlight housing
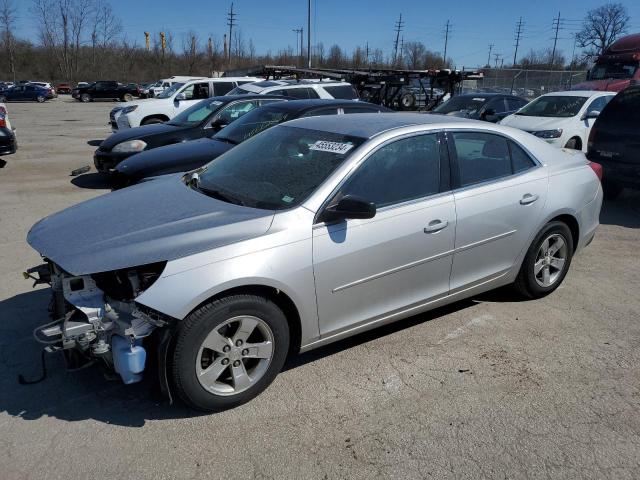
x: 132, y: 146
x: 556, y: 133
x: 129, y: 109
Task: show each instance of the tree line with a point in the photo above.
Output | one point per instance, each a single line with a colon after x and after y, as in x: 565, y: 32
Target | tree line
x: 83, y: 40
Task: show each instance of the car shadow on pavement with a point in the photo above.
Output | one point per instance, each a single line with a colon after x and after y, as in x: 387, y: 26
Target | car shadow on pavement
x: 94, y: 181
x: 623, y: 211
x: 87, y: 394
x: 3, y: 163
x: 95, y: 143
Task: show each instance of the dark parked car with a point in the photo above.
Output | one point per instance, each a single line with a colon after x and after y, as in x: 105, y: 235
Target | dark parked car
x: 63, y: 88
x: 188, y: 156
x: 105, y: 89
x: 23, y: 93
x: 614, y: 142
x: 491, y: 107
x: 8, y: 143
x: 205, y: 118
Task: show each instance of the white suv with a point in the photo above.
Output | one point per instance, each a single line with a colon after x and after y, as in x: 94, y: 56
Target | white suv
x: 169, y: 103
x: 300, y: 89
x: 160, y: 86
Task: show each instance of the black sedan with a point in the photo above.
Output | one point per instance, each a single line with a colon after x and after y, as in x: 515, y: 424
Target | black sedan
x: 8, y: 143
x: 491, y: 107
x: 25, y: 93
x: 191, y: 155
x: 205, y: 118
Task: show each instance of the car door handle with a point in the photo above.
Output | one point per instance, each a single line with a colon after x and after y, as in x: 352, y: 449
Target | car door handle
x: 435, y: 226
x: 528, y: 199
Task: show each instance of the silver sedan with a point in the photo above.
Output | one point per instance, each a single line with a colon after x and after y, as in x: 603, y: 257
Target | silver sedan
x: 312, y: 231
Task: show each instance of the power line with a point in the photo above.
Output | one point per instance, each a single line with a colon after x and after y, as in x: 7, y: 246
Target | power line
x: 519, y: 26
x: 398, y: 28
x: 232, y: 23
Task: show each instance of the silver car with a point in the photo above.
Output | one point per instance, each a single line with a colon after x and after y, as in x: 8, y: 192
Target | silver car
x: 312, y: 231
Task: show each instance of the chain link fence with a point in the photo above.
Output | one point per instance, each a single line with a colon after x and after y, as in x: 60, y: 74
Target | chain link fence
x: 524, y: 83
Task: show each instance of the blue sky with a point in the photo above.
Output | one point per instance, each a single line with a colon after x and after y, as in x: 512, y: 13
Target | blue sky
x: 350, y: 23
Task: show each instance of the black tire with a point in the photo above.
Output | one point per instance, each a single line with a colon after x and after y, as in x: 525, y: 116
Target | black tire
x: 407, y: 101
x: 151, y: 121
x: 3, y: 99
x: 611, y: 190
x: 40, y: 99
x: 85, y: 97
x: 526, y: 282
x: 127, y: 97
x: 195, y: 328
x: 574, y: 144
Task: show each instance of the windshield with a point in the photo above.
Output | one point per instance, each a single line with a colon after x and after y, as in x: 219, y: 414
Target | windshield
x: 170, y: 91
x: 239, y: 91
x: 278, y: 169
x: 456, y: 104
x: 553, y: 106
x: 611, y: 69
x: 251, y: 124
x: 196, y: 114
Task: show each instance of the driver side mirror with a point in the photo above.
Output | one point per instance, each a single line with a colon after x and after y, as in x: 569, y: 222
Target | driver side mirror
x: 218, y: 124
x: 180, y: 96
x: 349, y: 206
x: 591, y: 114
x: 489, y: 115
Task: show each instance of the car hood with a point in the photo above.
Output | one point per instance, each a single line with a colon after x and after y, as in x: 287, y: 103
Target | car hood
x: 172, y: 158
x: 156, y: 221
x: 136, y: 133
x: 534, y: 124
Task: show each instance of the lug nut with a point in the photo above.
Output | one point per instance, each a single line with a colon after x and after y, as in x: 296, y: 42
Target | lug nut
x: 245, y: 352
x: 236, y: 363
x: 225, y: 361
x: 226, y: 348
x: 238, y: 343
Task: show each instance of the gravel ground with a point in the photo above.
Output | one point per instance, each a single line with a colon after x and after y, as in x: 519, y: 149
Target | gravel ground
x: 486, y: 388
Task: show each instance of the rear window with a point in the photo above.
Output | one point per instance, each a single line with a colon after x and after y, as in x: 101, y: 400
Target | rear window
x: 623, y: 108
x: 342, y: 92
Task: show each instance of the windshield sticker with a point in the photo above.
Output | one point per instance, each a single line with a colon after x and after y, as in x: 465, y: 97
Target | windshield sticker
x: 332, y: 147
x: 478, y: 99
x: 287, y: 199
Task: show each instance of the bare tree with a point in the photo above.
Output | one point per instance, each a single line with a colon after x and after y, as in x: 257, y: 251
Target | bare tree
x: 602, y: 26
x: 414, y: 53
x: 191, y: 51
x: 7, y: 23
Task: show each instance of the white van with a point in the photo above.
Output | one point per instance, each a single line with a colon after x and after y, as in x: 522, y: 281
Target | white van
x: 178, y: 97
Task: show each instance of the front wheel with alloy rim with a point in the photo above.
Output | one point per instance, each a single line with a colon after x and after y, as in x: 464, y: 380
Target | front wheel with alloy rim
x: 85, y: 97
x: 547, y: 261
x: 228, y: 351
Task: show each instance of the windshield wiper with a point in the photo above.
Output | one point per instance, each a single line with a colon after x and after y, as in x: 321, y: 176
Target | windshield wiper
x: 215, y: 193
x: 226, y: 140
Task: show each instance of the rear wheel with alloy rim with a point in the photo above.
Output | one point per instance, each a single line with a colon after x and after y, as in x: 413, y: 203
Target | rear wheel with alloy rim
x: 229, y: 351
x: 85, y: 97
x: 40, y: 99
x: 547, y: 261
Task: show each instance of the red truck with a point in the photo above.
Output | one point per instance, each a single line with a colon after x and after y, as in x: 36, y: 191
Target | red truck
x: 616, y: 68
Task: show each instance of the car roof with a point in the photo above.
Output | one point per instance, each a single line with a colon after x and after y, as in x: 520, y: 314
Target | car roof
x: 367, y: 125
x: 578, y: 93
x: 300, y: 105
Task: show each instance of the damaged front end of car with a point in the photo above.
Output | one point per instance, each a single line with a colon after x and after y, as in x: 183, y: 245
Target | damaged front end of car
x: 95, y: 318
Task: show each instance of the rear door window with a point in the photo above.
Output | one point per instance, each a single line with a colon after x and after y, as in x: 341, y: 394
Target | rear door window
x: 301, y: 93
x: 342, y: 92
x: 222, y: 88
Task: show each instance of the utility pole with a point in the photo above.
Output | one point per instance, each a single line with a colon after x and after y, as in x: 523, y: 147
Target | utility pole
x: 519, y: 26
x: 298, y: 31
x: 398, y: 29
x: 232, y: 23
x: 367, y: 53
x: 401, y: 47
x: 556, y: 25
x: 497, y: 56
x: 309, y: 34
x: 491, y: 45
x: 446, y: 41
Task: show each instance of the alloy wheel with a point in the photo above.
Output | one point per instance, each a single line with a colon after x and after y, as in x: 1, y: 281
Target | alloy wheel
x: 550, y: 260
x: 235, y: 355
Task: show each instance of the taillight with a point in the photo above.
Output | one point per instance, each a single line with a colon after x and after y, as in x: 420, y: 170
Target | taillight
x: 3, y: 117
x: 597, y: 169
